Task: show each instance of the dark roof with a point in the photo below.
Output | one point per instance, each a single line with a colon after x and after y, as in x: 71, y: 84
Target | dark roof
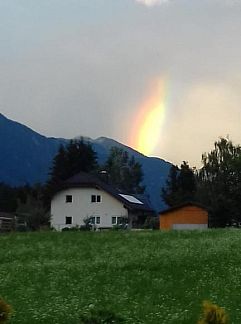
x: 85, y: 180
x: 185, y: 204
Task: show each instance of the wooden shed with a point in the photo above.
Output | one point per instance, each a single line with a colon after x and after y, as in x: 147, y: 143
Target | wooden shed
x: 186, y: 216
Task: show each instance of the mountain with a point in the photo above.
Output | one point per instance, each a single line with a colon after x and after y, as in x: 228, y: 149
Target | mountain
x: 26, y: 156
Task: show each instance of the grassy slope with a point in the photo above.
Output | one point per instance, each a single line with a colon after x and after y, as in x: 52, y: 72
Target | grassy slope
x: 147, y: 277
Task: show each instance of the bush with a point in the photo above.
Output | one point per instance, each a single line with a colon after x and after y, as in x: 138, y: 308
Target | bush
x: 213, y: 314
x: 85, y: 227
x: 100, y: 317
x: 152, y: 222
x: 65, y: 229
x: 119, y: 227
x: 5, y: 311
x: 71, y: 229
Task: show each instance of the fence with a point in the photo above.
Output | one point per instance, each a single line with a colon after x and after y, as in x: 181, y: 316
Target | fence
x: 6, y: 224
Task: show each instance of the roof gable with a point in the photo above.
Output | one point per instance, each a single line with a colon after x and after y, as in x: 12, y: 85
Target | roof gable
x: 85, y: 180
x: 185, y: 204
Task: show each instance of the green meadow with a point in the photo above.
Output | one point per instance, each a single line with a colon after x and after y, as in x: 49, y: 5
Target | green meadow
x: 145, y: 277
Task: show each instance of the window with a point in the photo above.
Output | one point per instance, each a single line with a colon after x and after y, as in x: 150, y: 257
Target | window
x: 92, y: 220
x: 95, y: 220
x: 68, y: 198
x: 119, y: 220
x: 95, y: 198
x: 68, y: 220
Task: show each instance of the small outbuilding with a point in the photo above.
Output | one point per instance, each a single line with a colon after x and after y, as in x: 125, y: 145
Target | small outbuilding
x: 186, y: 216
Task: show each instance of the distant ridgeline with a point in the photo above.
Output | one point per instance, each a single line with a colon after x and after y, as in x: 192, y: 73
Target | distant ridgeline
x: 26, y: 157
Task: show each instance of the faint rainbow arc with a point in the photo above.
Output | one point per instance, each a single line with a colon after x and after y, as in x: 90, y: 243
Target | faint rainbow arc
x: 146, y: 132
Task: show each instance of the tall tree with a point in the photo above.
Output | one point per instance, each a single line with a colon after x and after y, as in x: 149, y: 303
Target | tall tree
x: 8, y: 199
x: 31, y: 208
x: 187, y: 181
x: 71, y: 159
x: 75, y: 157
x: 180, y: 186
x: 80, y: 156
x: 124, y: 172
x: 219, y: 182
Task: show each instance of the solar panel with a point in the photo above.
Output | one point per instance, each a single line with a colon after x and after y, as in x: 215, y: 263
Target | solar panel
x: 131, y: 199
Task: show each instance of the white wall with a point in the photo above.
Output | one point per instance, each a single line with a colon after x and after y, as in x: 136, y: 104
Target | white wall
x: 189, y: 226
x: 82, y: 207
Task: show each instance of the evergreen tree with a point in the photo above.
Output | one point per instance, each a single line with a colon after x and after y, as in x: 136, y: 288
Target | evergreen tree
x: 124, y: 172
x: 8, y: 199
x: 180, y: 186
x: 219, y: 182
x: 33, y: 211
x: 59, y: 169
x: 170, y: 191
x: 75, y: 157
x: 187, y: 181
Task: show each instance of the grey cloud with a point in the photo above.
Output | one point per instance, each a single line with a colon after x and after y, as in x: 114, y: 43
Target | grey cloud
x: 150, y: 3
x: 90, y: 78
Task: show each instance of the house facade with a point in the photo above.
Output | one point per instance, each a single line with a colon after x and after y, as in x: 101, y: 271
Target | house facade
x: 185, y: 216
x: 85, y: 197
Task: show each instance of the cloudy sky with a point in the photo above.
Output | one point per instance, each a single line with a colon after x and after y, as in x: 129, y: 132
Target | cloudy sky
x: 87, y: 67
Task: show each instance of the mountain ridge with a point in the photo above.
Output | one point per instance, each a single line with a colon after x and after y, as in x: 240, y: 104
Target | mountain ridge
x: 26, y: 158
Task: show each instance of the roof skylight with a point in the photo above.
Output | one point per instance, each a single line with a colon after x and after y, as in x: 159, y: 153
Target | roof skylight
x: 131, y: 199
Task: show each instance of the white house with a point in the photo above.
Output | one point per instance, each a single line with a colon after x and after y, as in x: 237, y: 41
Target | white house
x: 84, y: 196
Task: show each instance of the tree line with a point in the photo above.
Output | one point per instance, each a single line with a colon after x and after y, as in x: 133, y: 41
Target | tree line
x: 33, y: 202
x: 216, y: 185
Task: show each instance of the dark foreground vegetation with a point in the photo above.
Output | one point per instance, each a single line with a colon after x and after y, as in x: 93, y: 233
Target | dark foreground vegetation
x: 216, y: 185
x: 138, y: 277
x: 30, y: 205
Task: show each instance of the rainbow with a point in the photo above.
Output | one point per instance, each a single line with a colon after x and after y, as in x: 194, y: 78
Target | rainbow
x: 146, y: 131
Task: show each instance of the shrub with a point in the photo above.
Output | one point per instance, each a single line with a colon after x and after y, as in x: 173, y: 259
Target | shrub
x: 74, y: 228
x: 213, y: 314
x: 116, y: 228
x: 65, y: 229
x: 100, y: 317
x: 70, y: 229
x: 152, y: 222
x: 85, y: 227
x: 5, y: 311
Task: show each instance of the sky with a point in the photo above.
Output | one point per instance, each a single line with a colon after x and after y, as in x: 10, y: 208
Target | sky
x: 163, y: 76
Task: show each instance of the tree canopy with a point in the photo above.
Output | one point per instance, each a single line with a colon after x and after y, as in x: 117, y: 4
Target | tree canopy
x: 76, y: 156
x: 219, y: 182
x: 71, y: 159
x: 180, y: 186
x: 217, y: 185
x: 124, y: 172
x: 8, y: 198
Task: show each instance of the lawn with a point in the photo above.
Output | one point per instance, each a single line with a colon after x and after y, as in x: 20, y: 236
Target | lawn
x: 145, y: 277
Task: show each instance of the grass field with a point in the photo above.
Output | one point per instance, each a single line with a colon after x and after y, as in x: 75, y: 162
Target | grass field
x: 146, y: 277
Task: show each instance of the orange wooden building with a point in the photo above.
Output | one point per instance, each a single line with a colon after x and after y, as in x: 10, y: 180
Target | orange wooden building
x: 185, y: 216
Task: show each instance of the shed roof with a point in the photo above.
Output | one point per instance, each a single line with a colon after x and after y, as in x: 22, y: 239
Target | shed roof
x: 185, y: 204
x: 85, y: 180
